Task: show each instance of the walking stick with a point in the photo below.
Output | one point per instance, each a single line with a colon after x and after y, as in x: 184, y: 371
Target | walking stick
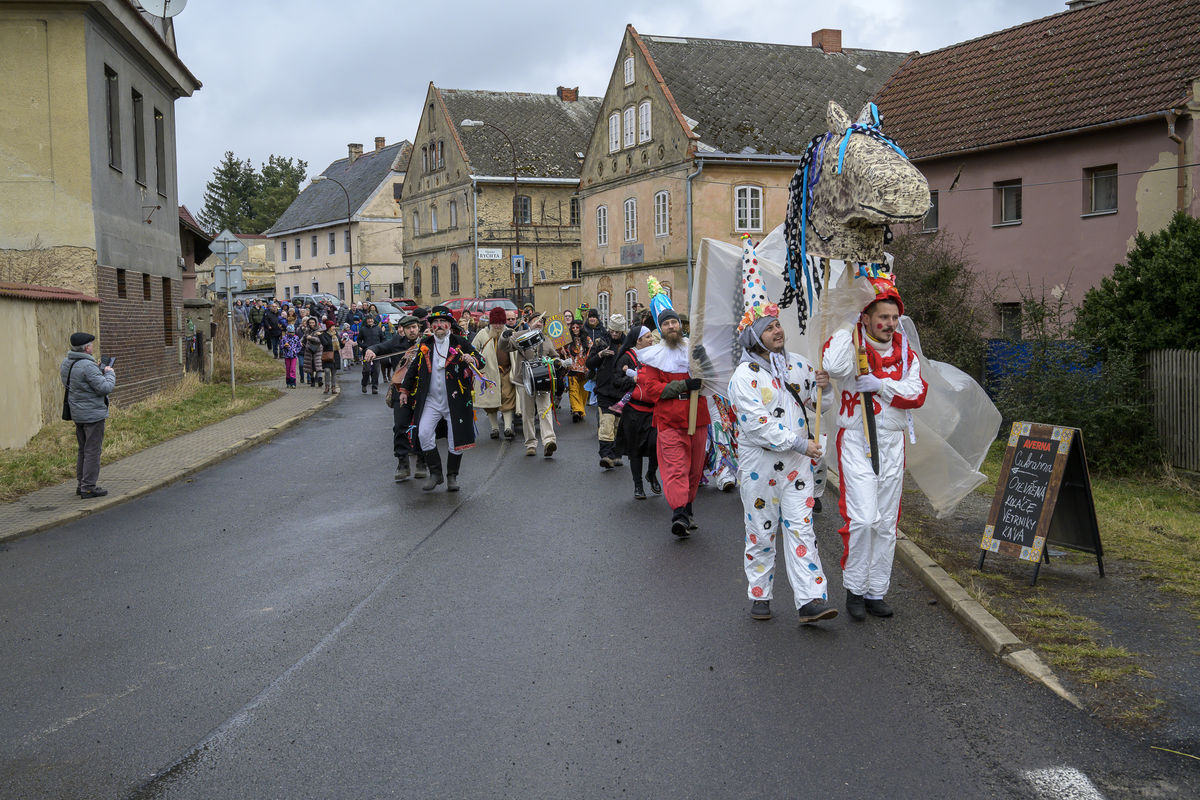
x: 821, y: 346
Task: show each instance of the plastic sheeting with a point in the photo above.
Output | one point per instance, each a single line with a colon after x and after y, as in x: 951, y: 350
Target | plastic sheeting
x: 954, y: 428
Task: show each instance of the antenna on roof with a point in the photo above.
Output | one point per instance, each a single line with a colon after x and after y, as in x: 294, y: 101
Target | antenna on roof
x: 163, y: 8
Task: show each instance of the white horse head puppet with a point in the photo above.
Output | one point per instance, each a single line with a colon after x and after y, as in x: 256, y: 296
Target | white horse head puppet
x: 853, y: 182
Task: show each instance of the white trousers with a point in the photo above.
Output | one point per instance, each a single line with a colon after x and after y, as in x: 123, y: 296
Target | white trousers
x: 777, y: 497
x: 870, y: 506
x: 539, y: 411
x: 427, y: 427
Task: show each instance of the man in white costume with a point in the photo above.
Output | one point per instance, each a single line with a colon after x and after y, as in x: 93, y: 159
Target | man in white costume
x: 772, y: 392
x: 870, y: 503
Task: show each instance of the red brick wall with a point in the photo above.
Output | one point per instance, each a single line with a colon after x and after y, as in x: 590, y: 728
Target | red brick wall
x: 132, y: 329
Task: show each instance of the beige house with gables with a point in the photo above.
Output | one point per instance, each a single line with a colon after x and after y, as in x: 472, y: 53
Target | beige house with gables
x: 699, y: 138
x: 464, y: 217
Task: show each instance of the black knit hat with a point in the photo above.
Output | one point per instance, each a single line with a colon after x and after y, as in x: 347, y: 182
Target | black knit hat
x: 80, y: 338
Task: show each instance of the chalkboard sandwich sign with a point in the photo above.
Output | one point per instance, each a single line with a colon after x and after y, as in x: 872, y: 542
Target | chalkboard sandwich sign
x: 1044, y: 496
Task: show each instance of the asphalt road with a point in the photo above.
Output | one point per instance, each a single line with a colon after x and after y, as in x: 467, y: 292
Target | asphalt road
x: 292, y: 624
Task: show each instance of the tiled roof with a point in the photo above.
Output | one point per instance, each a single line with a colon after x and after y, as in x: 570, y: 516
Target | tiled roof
x: 30, y: 291
x: 1102, y: 63
x: 324, y: 202
x: 546, y: 132
x: 749, y: 97
x: 189, y: 221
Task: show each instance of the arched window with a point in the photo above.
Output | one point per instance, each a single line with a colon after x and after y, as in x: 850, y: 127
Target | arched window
x: 644, y: 122
x: 630, y: 131
x: 433, y: 219
x: 434, y: 288
x: 602, y: 306
x: 630, y: 299
x: 417, y: 281
x: 425, y: 159
x: 614, y: 132
x: 628, y: 70
x: 416, y: 223
x: 454, y: 278
x: 601, y: 226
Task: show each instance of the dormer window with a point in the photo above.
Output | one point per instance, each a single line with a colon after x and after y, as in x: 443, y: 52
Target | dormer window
x: 629, y: 71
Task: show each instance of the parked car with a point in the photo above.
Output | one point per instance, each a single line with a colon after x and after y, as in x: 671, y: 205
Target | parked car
x: 389, y: 311
x: 480, y: 307
x: 302, y: 300
x: 457, y: 306
x: 407, y: 303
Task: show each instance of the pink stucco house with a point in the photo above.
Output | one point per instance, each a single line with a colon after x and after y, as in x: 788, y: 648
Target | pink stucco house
x: 1049, y: 145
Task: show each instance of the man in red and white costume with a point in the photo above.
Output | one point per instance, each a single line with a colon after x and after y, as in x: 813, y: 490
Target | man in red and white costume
x: 665, y: 381
x: 870, y: 503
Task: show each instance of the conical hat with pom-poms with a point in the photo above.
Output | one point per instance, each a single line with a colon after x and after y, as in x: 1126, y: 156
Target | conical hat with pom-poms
x: 755, y: 302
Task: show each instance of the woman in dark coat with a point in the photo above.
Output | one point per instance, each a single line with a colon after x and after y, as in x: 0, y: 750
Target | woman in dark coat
x: 312, y: 352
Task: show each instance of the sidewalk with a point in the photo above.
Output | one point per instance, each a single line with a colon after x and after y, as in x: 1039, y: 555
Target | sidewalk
x: 160, y: 465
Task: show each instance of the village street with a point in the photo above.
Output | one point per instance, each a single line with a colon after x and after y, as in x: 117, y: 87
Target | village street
x: 292, y: 624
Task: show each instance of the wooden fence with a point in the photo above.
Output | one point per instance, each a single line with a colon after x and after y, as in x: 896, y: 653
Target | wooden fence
x: 1173, y: 380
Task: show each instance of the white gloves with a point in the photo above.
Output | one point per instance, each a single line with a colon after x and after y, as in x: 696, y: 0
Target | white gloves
x: 867, y: 383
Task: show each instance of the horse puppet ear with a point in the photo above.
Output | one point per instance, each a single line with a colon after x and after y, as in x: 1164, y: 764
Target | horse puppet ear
x: 868, y: 115
x: 836, y: 118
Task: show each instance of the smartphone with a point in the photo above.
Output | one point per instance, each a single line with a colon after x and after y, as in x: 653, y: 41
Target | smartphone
x: 108, y: 361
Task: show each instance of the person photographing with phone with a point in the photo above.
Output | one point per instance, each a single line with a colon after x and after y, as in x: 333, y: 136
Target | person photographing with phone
x: 88, y: 386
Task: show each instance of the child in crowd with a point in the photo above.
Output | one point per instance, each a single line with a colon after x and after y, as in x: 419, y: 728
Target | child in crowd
x: 289, y: 350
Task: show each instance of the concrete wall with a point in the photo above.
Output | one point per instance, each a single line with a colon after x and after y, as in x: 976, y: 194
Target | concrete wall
x: 39, y: 333
x: 1057, y: 240
x: 45, y: 171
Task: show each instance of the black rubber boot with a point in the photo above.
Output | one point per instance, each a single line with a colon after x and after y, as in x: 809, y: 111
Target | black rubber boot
x: 856, y: 606
x: 679, y: 522
x: 452, y: 462
x: 433, y: 460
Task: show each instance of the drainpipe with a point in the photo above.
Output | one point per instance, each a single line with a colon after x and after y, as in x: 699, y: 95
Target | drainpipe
x: 475, y: 231
x: 1180, y: 159
x: 690, y: 251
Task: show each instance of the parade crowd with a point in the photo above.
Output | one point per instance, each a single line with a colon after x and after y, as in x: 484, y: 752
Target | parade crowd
x: 756, y: 437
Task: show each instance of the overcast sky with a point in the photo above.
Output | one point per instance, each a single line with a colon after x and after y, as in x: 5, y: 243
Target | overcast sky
x: 305, y: 77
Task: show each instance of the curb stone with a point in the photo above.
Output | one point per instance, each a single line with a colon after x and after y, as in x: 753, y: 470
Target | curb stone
x: 993, y: 634
x: 163, y: 478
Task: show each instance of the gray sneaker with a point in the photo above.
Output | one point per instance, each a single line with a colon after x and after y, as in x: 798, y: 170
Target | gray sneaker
x: 815, y: 611
x: 760, y: 609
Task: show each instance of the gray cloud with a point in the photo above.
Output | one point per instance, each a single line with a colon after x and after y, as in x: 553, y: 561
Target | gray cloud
x: 306, y: 77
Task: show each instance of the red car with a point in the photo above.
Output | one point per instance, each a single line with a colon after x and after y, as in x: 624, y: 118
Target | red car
x: 408, y: 304
x: 457, y: 306
x: 480, y: 307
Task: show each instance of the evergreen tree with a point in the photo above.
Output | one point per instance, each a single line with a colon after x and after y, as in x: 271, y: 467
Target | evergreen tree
x: 229, y: 196
x: 1153, y: 300
x: 278, y: 184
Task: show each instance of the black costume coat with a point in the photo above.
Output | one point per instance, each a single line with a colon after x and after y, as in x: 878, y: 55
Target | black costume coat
x: 460, y: 387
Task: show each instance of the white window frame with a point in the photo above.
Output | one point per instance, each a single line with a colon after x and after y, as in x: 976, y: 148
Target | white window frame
x: 662, y: 219
x: 614, y: 132
x: 630, y: 132
x: 644, y: 122
x: 630, y: 207
x: 416, y: 223
x: 433, y: 228
x: 601, y: 226
x: 628, y: 69
x: 747, y: 213
x: 631, y: 297
x: 602, y: 306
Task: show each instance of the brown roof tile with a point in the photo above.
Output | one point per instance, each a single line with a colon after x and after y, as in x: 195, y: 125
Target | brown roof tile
x: 1112, y: 61
x: 31, y: 291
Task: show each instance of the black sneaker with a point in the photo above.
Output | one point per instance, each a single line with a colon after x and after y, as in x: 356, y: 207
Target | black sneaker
x: 606, y: 462
x: 638, y: 492
x: 508, y: 434
x: 879, y: 608
x: 495, y: 433
x: 815, y: 611
x: 679, y: 524
x: 655, y: 486
x: 856, y: 606
x: 760, y: 609
x: 95, y: 492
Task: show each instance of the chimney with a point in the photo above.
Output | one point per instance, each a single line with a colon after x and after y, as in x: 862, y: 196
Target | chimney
x: 355, y: 151
x: 568, y: 95
x: 828, y: 39
x: 380, y: 143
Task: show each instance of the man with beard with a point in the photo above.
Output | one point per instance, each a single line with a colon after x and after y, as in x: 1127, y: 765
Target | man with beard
x: 536, y: 411
x: 576, y: 352
x: 441, y: 382
x: 404, y: 342
x: 602, y: 362
x: 665, y: 381
x: 497, y: 396
x: 870, y: 502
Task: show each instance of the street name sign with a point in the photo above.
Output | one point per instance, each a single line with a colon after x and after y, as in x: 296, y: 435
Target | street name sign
x: 491, y: 254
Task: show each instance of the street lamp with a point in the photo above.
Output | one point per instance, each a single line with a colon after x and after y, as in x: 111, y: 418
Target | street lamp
x: 349, y: 234
x: 478, y: 123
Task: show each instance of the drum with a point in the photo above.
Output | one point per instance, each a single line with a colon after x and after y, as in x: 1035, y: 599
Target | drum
x: 528, y: 340
x: 538, y: 377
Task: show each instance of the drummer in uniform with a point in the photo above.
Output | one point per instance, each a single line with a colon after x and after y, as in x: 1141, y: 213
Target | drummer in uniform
x: 532, y: 359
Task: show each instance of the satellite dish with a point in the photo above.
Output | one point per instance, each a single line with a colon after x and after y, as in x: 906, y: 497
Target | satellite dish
x: 163, y: 8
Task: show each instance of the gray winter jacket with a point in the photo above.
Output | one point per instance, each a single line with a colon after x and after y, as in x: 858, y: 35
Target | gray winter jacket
x: 89, y: 387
